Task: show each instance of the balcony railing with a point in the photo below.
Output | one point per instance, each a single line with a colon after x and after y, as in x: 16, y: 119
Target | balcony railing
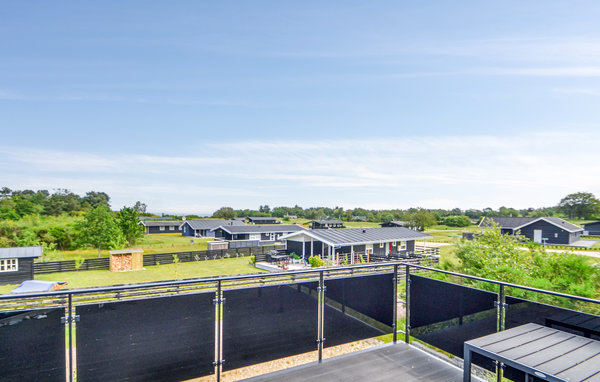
x: 179, y: 330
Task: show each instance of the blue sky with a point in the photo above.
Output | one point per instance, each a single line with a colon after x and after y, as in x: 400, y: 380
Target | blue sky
x: 189, y: 106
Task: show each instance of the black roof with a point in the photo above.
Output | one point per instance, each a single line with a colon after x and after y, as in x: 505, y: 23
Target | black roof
x: 155, y: 223
x: 262, y: 228
x: 214, y: 223
x: 261, y: 219
x: 354, y: 236
x: 520, y: 222
x: 328, y: 222
x: 591, y: 224
x: 20, y: 252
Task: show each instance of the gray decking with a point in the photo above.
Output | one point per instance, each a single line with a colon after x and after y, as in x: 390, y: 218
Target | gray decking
x: 385, y: 363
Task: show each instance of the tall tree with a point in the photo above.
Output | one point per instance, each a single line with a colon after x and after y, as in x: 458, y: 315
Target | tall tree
x: 140, y: 207
x: 129, y: 225
x: 582, y: 205
x: 224, y: 213
x: 94, y: 199
x: 100, y: 229
x: 421, y: 219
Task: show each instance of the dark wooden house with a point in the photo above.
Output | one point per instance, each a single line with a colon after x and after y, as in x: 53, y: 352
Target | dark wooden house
x: 262, y: 233
x: 592, y: 229
x: 204, y: 228
x: 395, y: 223
x: 16, y: 264
x: 262, y: 220
x: 545, y: 230
x: 164, y: 226
x: 370, y: 242
x: 326, y: 224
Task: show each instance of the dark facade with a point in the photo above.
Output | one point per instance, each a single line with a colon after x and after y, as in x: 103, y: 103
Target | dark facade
x: 395, y: 223
x: 262, y: 220
x: 550, y: 233
x: 16, y: 264
x: 154, y: 227
x: 592, y: 229
x: 326, y: 224
x: 24, y: 272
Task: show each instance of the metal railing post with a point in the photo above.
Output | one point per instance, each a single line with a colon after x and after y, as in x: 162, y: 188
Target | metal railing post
x: 407, y: 307
x: 320, y: 315
x: 218, y: 301
x: 500, y: 325
x: 395, y: 301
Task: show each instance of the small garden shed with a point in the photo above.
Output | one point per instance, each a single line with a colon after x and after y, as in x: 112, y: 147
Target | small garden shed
x: 126, y: 260
x: 16, y: 264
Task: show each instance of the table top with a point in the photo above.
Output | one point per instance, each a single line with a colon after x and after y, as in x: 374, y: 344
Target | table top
x: 553, y: 352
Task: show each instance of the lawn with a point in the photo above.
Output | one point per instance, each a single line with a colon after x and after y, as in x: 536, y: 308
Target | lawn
x: 157, y: 243
x: 86, y: 279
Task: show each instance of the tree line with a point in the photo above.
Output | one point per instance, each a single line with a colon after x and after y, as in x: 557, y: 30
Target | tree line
x: 580, y: 205
x: 66, y: 221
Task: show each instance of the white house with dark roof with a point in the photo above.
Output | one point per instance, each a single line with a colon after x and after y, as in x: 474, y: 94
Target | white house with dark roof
x: 547, y: 230
x: 205, y: 228
x: 375, y: 242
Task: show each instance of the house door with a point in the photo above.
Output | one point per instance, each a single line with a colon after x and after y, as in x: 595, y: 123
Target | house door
x: 537, y: 235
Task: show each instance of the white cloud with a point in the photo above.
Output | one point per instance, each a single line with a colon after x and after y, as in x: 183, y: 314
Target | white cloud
x: 468, y: 172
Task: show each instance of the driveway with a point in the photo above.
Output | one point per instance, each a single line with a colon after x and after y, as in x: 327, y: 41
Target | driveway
x: 582, y: 243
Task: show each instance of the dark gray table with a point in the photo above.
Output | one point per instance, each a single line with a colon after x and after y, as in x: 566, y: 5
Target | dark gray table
x: 549, y: 354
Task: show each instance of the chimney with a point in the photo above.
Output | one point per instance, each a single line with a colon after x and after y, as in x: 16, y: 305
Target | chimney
x: 364, y: 231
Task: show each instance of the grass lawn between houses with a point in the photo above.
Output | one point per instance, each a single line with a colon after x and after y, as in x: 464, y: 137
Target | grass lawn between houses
x: 179, y: 271
x: 156, y: 243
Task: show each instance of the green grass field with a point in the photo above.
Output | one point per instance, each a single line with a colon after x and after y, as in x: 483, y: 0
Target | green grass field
x: 157, y: 243
x: 86, y: 279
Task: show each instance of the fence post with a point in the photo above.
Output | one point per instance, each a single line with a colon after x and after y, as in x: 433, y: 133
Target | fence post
x: 407, y: 307
x: 395, y: 314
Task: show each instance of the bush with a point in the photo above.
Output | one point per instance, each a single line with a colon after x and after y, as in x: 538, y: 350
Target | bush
x: 252, y: 260
x: 316, y: 261
x: 457, y: 221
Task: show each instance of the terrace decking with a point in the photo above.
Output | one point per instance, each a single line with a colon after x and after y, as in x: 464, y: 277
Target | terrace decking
x: 398, y: 362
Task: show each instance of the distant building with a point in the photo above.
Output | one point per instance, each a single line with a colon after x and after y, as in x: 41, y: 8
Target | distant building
x: 360, y: 218
x: 162, y: 226
x: 326, y: 224
x: 16, y: 264
x: 204, y: 228
x: 268, y: 232
x: 262, y: 220
x: 396, y: 223
x: 546, y: 230
x: 592, y: 228
x: 372, y: 242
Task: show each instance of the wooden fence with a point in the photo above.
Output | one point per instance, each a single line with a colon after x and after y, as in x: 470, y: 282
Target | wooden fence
x: 152, y: 259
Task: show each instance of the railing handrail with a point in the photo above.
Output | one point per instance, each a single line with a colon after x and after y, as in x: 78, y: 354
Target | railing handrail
x: 286, y: 273
x: 532, y: 289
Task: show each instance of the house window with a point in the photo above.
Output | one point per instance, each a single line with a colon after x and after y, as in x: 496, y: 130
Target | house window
x: 394, y: 243
x: 381, y: 245
x: 161, y: 228
x: 172, y: 228
x: 9, y: 265
x: 402, y: 246
x: 555, y: 234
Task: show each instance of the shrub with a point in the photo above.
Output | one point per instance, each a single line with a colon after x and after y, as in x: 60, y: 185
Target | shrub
x: 457, y: 221
x: 252, y: 260
x: 316, y: 261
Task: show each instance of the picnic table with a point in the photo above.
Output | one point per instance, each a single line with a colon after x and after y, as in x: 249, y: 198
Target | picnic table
x: 581, y: 322
x: 546, y: 353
